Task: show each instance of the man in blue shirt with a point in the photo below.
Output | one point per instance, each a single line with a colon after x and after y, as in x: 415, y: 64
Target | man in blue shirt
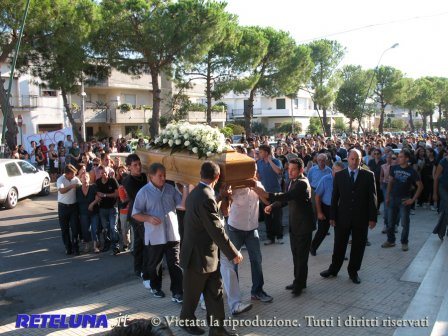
x: 318, y: 171
x: 155, y: 205
x: 269, y: 172
x: 323, y: 193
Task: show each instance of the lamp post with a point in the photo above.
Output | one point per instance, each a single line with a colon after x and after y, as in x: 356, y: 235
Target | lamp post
x: 373, y: 76
x: 20, y: 123
x: 83, y: 122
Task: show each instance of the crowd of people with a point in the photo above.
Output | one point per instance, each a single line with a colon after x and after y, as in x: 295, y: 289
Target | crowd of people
x: 340, y: 182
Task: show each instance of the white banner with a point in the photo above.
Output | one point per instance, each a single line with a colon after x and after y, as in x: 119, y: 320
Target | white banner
x: 48, y: 137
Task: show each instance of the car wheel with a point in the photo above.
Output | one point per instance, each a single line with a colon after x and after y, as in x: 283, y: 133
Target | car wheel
x: 45, y: 187
x: 11, y: 198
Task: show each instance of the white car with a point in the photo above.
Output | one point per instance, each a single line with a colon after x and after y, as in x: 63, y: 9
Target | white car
x: 19, y: 179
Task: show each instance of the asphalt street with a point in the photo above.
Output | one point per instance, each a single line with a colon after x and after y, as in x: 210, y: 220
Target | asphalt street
x: 35, y: 273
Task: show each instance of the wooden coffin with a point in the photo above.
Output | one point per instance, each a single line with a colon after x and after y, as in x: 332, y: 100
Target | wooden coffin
x: 237, y: 169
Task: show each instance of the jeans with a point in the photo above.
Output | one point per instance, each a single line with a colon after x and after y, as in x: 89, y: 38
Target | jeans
x: 125, y: 226
x: 89, y: 222
x: 109, y: 220
x: 386, y: 208
x: 68, y: 216
x: 229, y: 271
x: 396, y: 208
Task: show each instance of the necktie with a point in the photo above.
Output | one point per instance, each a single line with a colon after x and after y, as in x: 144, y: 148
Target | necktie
x: 352, y: 177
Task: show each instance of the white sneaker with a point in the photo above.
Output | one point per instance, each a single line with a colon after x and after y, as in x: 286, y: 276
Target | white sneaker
x: 147, y: 284
x: 240, y: 308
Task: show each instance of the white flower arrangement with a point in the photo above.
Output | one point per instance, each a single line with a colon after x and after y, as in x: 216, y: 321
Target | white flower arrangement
x: 198, y: 139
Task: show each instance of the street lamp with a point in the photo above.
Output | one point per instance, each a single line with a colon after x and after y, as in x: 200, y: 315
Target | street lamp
x: 20, y: 123
x: 373, y: 75
x: 83, y: 122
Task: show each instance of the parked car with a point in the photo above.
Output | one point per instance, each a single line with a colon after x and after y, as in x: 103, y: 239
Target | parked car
x: 19, y: 179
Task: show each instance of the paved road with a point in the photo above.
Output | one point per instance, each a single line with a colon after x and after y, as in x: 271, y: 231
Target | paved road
x: 34, y: 270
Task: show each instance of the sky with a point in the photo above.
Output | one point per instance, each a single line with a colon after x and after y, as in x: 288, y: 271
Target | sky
x: 366, y: 28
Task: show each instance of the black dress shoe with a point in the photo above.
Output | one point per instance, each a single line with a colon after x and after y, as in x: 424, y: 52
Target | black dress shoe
x: 327, y: 273
x: 68, y: 252
x: 368, y: 243
x: 290, y: 287
x: 355, y: 278
x: 313, y: 252
x: 221, y: 331
x: 296, y: 292
x: 193, y: 330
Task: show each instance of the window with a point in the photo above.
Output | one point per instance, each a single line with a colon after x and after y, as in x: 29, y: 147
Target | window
x: 130, y: 99
x: 296, y: 103
x: 130, y: 130
x: 12, y: 170
x: 48, y: 92
x: 26, y: 167
x: 281, y: 104
x: 42, y: 128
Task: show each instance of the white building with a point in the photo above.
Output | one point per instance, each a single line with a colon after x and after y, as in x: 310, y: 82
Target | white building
x: 271, y: 112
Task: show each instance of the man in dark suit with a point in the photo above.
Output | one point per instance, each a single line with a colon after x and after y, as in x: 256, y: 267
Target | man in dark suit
x: 353, y: 211
x: 301, y: 220
x: 204, y: 234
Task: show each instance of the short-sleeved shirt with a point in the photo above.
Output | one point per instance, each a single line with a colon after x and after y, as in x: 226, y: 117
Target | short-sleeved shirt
x: 161, y: 204
x: 325, y: 189
x: 106, y: 188
x: 270, y: 180
x: 404, y: 179
x: 315, y: 174
x: 70, y: 196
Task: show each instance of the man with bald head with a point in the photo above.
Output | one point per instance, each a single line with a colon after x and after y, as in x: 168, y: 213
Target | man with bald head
x: 352, y: 212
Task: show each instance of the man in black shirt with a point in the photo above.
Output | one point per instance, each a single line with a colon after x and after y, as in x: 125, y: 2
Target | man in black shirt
x: 107, y: 190
x: 133, y: 183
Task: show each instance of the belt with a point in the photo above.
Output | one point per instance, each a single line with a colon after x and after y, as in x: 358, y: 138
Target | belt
x: 67, y: 205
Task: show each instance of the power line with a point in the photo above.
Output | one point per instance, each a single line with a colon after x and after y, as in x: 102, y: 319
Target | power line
x: 374, y: 25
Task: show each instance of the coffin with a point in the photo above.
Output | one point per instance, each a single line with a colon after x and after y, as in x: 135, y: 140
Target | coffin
x: 237, y: 169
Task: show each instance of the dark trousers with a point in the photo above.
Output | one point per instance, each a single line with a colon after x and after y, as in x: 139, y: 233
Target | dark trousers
x: 68, y: 219
x: 323, y: 226
x: 139, y: 234
x: 210, y: 284
x: 152, y: 269
x: 342, y: 233
x: 300, y: 248
x: 273, y: 221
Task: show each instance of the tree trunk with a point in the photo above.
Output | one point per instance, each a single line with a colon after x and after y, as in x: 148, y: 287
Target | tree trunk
x: 11, y: 125
x: 248, y: 114
x: 411, y: 121
x: 431, y: 124
x: 381, y: 125
x: 209, y: 93
x: 155, y: 122
x: 326, y: 125
x: 69, y: 113
x: 439, y: 123
x: 424, y: 122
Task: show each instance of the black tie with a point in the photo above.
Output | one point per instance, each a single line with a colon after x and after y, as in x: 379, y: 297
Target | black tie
x: 352, y: 177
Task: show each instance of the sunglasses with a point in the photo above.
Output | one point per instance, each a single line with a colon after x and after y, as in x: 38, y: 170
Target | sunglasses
x: 394, y: 158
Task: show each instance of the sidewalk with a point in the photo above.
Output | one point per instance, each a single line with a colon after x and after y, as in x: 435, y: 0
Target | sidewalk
x: 359, y: 309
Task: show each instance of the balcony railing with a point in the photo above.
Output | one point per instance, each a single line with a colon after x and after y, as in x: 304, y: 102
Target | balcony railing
x: 134, y: 116
x: 24, y: 101
x: 199, y: 116
x: 266, y: 113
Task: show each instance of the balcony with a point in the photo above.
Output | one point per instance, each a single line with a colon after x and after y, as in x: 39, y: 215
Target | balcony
x: 134, y: 116
x: 273, y: 113
x: 201, y: 117
x: 25, y: 101
x: 93, y: 115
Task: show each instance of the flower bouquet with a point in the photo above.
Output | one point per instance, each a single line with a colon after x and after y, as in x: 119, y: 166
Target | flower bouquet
x: 202, y: 140
x: 183, y: 147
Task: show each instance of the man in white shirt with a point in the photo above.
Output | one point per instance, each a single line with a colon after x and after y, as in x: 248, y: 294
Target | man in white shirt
x: 242, y: 229
x: 67, y: 208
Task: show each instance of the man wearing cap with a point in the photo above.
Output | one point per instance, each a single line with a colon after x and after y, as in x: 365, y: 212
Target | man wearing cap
x: 67, y: 208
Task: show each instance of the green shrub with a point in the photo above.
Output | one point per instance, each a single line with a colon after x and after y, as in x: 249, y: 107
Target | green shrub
x: 227, y: 131
x: 315, y: 126
x: 125, y: 107
x: 286, y: 127
x: 237, y: 129
x: 195, y: 107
